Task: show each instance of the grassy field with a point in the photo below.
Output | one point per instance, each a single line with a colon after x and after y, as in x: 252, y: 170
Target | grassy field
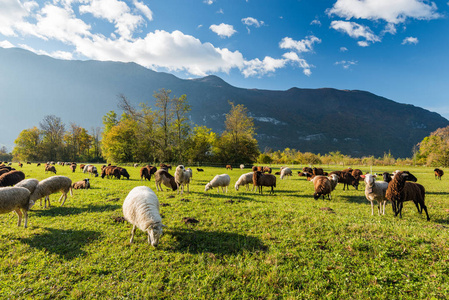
x: 246, y: 246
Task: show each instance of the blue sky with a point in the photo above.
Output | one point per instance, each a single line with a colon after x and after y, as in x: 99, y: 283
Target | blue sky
x: 397, y: 49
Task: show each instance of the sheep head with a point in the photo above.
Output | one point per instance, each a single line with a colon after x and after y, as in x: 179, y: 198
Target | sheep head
x: 155, y: 233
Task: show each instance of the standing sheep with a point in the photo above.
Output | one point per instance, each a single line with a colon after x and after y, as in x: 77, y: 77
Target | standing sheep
x: 182, y: 177
x: 438, y: 173
x: 244, y: 180
x: 141, y: 209
x: 146, y: 172
x: 260, y: 180
x: 91, y: 169
x: 399, y: 191
x: 15, y: 199
x: 52, y: 185
x: 50, y: 168
x: 375, y: 191
x: 11, y: 178
x: 163, y: 177
x: 218, y: 181
x: 285, y: 171
x: 242, y: 166
x: 324, y: 185
x: 228, y: 167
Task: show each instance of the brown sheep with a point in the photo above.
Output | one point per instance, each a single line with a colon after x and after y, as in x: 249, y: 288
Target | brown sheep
x: 438, y: 173
x: 400, y: 190
x: 82, y: 167
x: 11, y: 178
x: 324, y: 185
x: 307, y: 170
x: 317, y: 171
x: 50, y: 168
x: 83, y: 184
x: 111, y: 171
x: 163, y: 177
x: 228, y: 167
x: 146, y: 172
x: 260, y: 180
x: 73, y: 167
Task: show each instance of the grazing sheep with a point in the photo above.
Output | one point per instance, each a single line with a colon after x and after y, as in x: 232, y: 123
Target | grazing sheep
x: 15, y: 199
x: 123, y: 172
x: 347, y: 179
x: 222, y: 181
x: 141, y: 209
x: 285, y: 171
x: 242, y: 166
x: 164, y: 166
x: 52, y: 185
x: 399, y: 191
x: 199, y: 170
x: 82, y: 167
x: 163, y: 177
x: 82, y: 184
x: 244, y: 180
x: 136, y: 165
x: 146, y: 172
x: 20, y: 164
x: 307, y: 170
x: 91, y: 169
x: 266, y: 170
x: 73, y: 167
x: 324, y: 185
x: 182, y: 177
x: 228, y: 167
x: 29, y: 184
x: 28, y: 163
x: 11, y: 178
x: 317, y: 171
x: 110, y: 171
x: 50, y: 168
x: 438, y: 173
x: 260, y: 180
x: 38, y: 164
x: 375, y: 191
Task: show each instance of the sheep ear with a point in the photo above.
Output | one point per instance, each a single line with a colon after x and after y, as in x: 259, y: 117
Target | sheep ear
x: 362, y: 176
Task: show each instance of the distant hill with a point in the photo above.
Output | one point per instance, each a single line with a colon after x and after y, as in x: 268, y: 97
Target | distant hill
x: 316, y: 120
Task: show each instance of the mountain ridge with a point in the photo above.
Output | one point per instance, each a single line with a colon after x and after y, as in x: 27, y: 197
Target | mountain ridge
x: 316, y: 120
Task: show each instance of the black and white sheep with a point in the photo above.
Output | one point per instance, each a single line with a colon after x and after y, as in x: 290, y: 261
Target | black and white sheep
x: 91, y: 169
x: 182, y: 178
x: 400, y: 190
x: 141, y: 209
x: 375, y: 191
x: 218, y: 181
x: 52, y: 185
x: 244, y: 180
x: 15, y: 199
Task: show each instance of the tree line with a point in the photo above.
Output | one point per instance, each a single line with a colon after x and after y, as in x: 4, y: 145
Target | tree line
x: 163, y: 133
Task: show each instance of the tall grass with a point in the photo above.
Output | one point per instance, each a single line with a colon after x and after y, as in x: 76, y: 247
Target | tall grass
x: 246, y: 245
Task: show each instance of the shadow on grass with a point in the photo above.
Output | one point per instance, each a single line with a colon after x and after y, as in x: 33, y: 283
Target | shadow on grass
x: 67, y: 210
x: 65, y: 243
x: 437, y: 193
x: 355, y: 199
x: 219, y: 243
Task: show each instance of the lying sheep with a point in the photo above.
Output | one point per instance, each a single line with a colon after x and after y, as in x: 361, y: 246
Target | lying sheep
x: 163, y: 177
x: 182, y: 177
x: 82, y: 184
x: 400, y: 190
x: 438, y: 173
x: 218, y: 181
x: 15, y: 199
x: 244, y: 180
x: 375, y: 191
x: 285, y: 171
x: 30, y: 184
x: 11, y: 178
x: 141, y: 209
x: 260, y: 180
x: 52, y: 185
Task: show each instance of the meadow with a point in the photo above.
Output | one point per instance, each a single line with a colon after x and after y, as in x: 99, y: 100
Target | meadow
x: 245, y: 246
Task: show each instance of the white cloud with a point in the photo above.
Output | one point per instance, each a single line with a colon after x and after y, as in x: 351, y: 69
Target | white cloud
x: 257, y: 67
x: 410, y: 40
x: 209, y: 2
x: 56, y: 54
x: 396, y: 11
x: 305, y: 45
x: 355, y: 30
x: 249, y: 21
x: 346, y: 64
x: 390, y: 28
x: 144, y: 9
x: 223, y: 30
x: 116, y: 12
x: 363, y: 43
x: 315, y: 22
x: 6, y: 44
x: 343, y: 49
x: 12, y: 15
x: 220, y: 11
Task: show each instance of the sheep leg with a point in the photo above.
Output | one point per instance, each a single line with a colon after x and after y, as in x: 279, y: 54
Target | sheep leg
x: 372, y: 208
x: 417, y: 207
x: 132, y: 234
x: 25, y: 213
x: 425, y: 209
x: 65, y: 197
x: 19, y: 214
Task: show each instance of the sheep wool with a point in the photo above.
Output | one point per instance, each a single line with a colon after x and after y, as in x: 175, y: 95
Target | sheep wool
x: 182, y: 177
x: 15, y: 199
x: 29, y: 184
x: 52, y: 185
x: 141, y: 209
x: 222, y: 181
x: 375, y: 191
x: 244, y: 180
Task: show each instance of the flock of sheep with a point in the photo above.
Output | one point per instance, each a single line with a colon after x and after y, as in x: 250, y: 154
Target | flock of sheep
x: 141, y: 206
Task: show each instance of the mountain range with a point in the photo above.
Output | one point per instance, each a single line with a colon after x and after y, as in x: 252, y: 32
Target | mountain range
x: 357, y: 123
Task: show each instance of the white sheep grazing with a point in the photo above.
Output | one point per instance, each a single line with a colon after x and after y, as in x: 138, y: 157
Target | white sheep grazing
x: 182, y: 177
x: 52, y: 185
x: 15, y: 199
x: 245, y: 180
x: 375, y: 190
x: 285, y: 171
x: 222, y: 180
x: 141, y: 209
x: 242, y: 166
x: 29, y: 184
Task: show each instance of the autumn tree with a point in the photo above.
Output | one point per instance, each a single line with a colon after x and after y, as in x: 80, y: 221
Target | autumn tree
x: 28, y: 145
x: 200, y: 144
x: 434, y: 149
x: 53, y: 131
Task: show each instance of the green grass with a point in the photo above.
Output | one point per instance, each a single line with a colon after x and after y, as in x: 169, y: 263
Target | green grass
x: 286, y: 246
